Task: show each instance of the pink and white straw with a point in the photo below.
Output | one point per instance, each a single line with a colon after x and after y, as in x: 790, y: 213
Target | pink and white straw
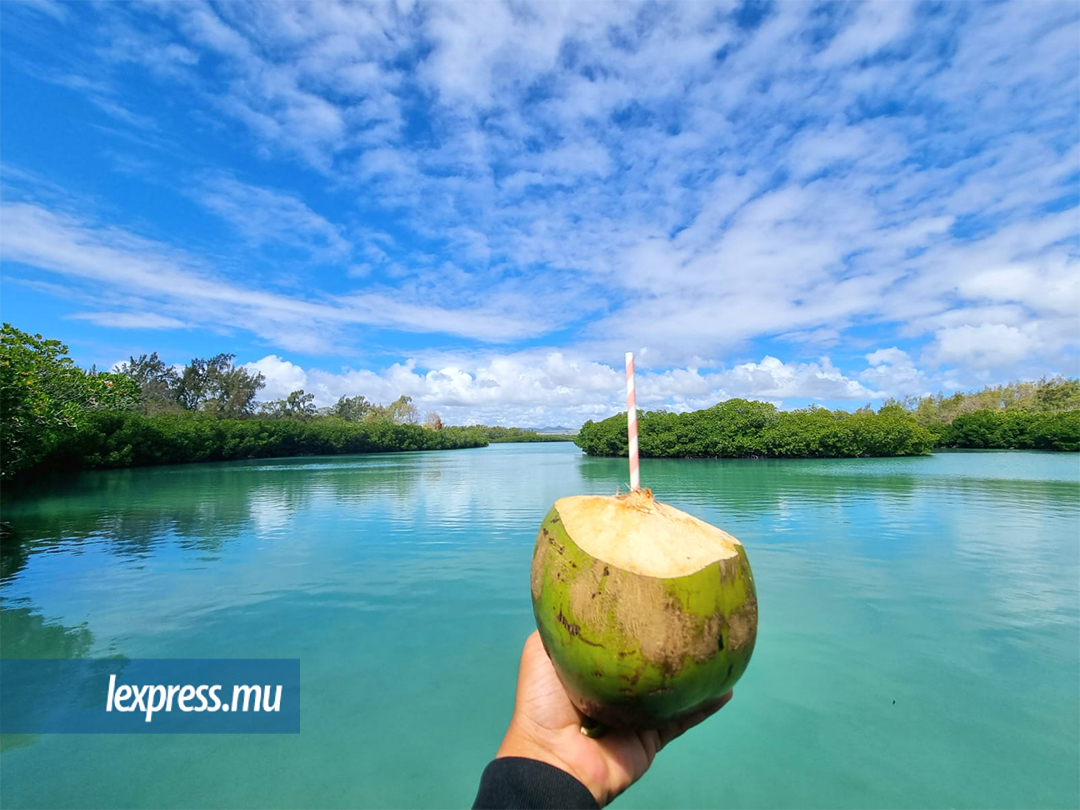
x: 631, y: 423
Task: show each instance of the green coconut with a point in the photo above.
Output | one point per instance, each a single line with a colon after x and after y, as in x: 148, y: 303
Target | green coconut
x: 647, y: 613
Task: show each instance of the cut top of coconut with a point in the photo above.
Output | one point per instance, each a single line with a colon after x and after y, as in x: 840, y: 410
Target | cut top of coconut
x: 637, y: 533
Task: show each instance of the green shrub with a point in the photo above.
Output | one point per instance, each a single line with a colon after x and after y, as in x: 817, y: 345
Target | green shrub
x: 45, y: 397
x: 1014, y: 430
x: 129, y: 439
x: 739, y: 428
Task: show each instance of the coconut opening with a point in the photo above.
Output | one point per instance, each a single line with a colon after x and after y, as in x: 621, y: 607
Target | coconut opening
x: 637, y: 533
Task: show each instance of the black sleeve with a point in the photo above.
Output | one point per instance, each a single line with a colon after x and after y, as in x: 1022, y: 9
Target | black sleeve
x: 516, y: 783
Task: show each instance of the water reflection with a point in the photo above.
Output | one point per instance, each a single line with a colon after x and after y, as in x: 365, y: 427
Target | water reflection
x: 14, y: 552
x: 25, y: 633
x: 191, y: 542
x: 750, y: 486
x: 345, y: 524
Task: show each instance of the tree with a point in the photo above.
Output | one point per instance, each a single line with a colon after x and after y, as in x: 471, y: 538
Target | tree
x: 1056, y: 394
x: 298, y: 405
x: 193, y: 390
x: 403, y: 412
x: 433, y: 421
x: 44, y: 395
x: 351, y: 409
x: 219, y: 387
x: 157, y: 382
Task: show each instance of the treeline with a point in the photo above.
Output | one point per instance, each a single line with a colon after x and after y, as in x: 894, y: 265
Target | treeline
x: 1040, y: 415
x: 1011, y: 430
x: 496, y: 434
x: 1048, y: 395
x: 55, y: 415
x: 129, y: 439
x: 739, y: 428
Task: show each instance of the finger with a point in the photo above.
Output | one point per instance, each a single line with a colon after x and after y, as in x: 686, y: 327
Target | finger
x: 534, y: 659
x: 533, y: 646
x: 677, y: 729
x: 652, y: 741
x: 540, y: 694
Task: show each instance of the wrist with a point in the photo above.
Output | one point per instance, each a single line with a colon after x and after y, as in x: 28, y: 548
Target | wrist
x: 522, y: 742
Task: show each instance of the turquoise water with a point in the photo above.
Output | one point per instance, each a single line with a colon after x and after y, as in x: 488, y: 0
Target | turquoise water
x: 919, y: 643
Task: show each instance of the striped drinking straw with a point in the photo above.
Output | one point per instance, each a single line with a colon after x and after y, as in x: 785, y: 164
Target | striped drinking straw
x: 631, y: 423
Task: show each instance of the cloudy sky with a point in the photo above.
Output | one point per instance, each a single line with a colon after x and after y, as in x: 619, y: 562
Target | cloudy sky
x: 484, y: 205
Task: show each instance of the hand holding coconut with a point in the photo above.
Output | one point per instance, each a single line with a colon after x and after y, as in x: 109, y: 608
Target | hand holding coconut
x: 648, y: 616
x: 547, y: 727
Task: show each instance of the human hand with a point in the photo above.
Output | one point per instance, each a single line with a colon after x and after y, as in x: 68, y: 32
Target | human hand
x: 547, y: 727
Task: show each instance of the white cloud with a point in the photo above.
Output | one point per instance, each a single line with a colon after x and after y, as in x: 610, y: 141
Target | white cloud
x: 893, y: 373
x: 183, y: 284
x: 773, y: 379
x: 989, y: 345
x: 281, y: 377
x: 53, y: 8
x: 130, y: 320
x: 1051, y: 286
x: 265, y: 215
x: 877, y: 23
x: 545, y: 387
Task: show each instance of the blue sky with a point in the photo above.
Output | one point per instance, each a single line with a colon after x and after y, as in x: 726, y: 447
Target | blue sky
x: 484, y: 205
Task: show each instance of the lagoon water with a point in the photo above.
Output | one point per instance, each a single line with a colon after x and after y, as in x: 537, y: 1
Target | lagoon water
x: 919, y: 641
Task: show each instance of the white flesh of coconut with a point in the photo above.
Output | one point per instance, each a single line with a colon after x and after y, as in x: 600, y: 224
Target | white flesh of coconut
x: 636, y: 533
